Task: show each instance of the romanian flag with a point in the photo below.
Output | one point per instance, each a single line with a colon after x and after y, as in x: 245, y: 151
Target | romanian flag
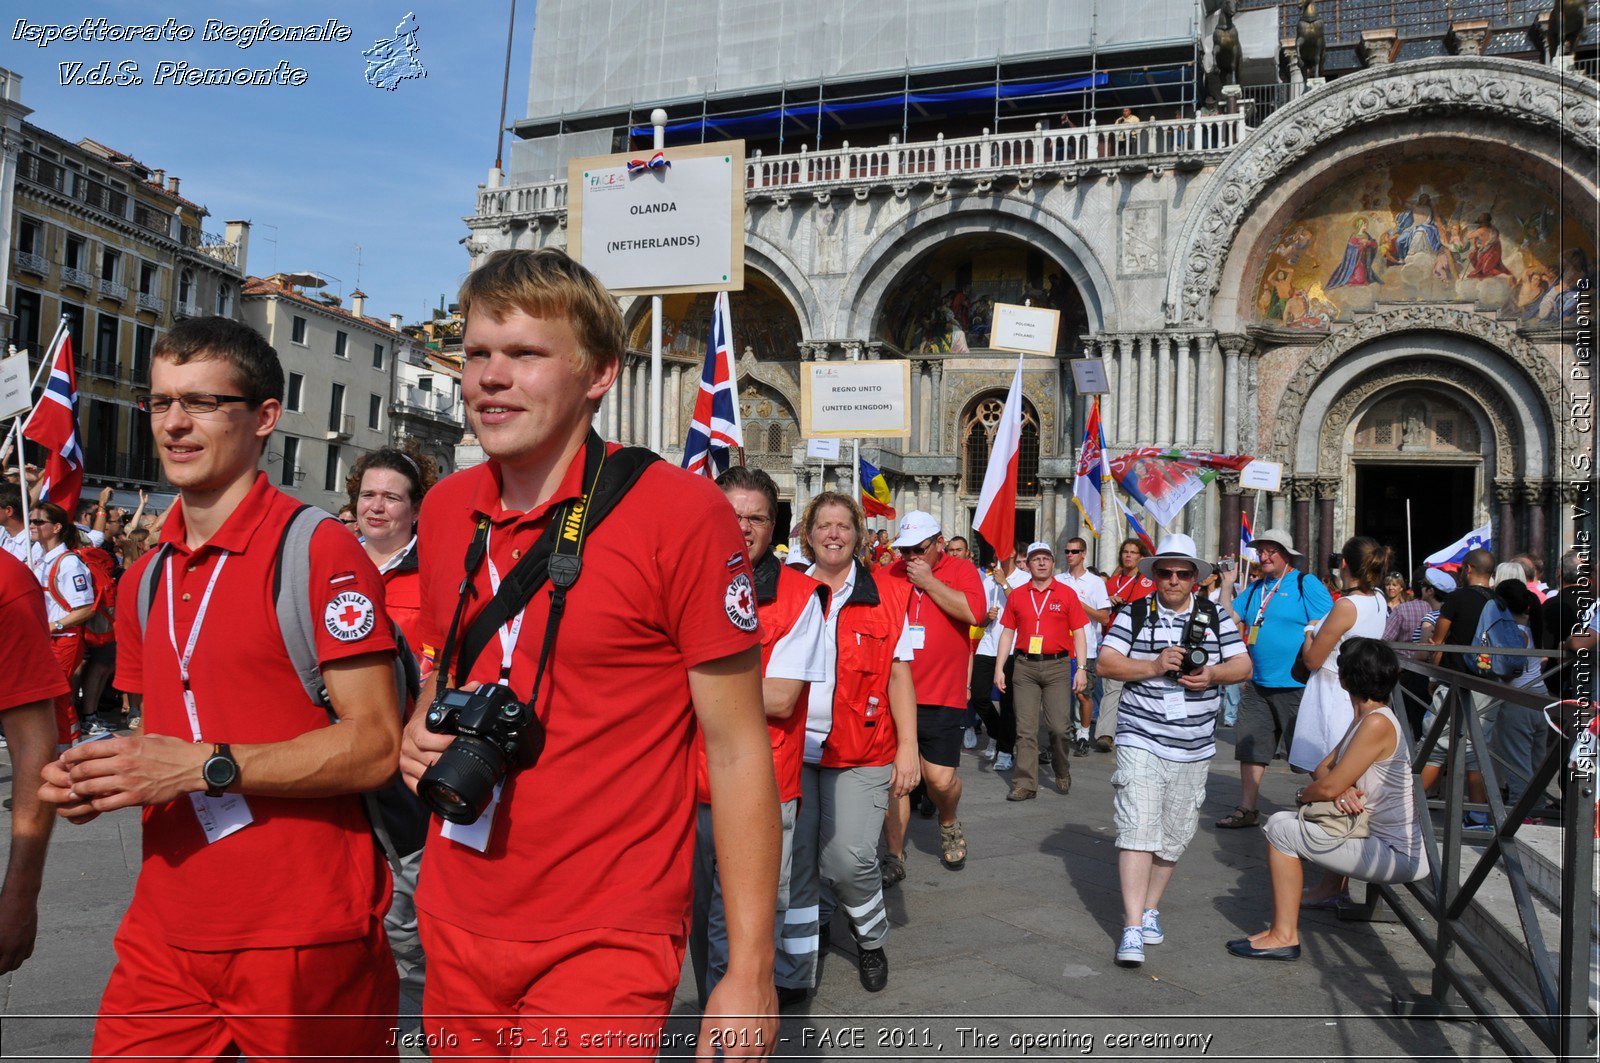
x: 875, y: 495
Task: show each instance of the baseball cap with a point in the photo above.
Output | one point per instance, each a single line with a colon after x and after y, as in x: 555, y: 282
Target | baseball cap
x: 1039, y: 547
x: 915, y: 527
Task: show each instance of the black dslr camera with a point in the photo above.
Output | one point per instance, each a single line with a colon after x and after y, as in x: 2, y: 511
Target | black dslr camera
x: 494, y: 732
x: 1195, y: 654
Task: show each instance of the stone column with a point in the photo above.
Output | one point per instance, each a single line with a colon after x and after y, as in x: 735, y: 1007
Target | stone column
x: 1230, y: 392
x: 1534, y: 496
x: 923, y: 495
x: 1327, y: 491
x: 1183, y: 430
x: 1127, y: 392
x: 1206, y: 402
x: 1228, y: 526
x: 947, y: 506
x: 914, y: 444
x: 935, y: 430
x: 641, y: 402
x: 1300, y: 491
x: 1047, y: 511
x: 672, y: 406
x: 1165, y: 401
x: 1147, y: 389
x: 1505, y: 531
x: 1109, y: 422
x: 625, y: 400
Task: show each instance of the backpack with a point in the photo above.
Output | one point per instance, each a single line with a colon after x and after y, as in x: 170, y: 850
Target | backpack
x: 101, y: 628
x: 399, y: 819
x: 1497, y: 629
x: 1139, y: 613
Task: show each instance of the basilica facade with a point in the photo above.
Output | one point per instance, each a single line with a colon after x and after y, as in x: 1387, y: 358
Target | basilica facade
x: 1384, y: 284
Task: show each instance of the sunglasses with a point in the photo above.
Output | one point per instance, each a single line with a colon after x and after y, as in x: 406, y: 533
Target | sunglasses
x: 36, y: 522
x: 1174, y: 573
x: 1070, y: 550
x: 917, y: 551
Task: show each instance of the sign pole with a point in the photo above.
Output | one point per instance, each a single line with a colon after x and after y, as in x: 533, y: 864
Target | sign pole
x: 1409, y: 568
x: 658, y: 119
x: 855, y: 470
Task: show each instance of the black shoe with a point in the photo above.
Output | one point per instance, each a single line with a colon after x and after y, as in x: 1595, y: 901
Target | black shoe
x: 1241, y: 947
x: 790, y: 995
x: 925, y: 807
x: 1080, y: 747
x: 824, y: 938
x: 1046, y: 758
x: 874, y: 970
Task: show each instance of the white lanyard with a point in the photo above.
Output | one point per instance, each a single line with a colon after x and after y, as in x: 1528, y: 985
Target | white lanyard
x: 1038, y: 610
x: 187, y: 653
x: 508, y: 632
x: 1266, y: 598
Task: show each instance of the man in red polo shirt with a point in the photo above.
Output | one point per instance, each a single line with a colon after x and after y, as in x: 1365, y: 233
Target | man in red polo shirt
x: 256, y: 925
x: 946, y: 602
x: 29, y: 684
x: 555, y: 923
x: 1044, y: 621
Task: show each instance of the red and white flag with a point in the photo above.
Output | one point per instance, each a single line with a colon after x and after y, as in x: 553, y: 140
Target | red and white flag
x: 53, y: 424
x: 996, y: 517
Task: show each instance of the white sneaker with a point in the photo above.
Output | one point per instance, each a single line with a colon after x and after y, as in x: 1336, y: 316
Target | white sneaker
x: 95, y: 728
x: 969, y: 739
x: 1150, y: 927
x: 993, y: 750
x: 1002, y: 762
x: 1130, y: 951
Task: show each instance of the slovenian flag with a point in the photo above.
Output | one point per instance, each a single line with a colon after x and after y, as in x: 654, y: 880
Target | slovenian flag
x: 715, y: 429
x: 1094, y: 472
x: 1450, y: 557
x: 1137, y: 528
x: 875, y: 497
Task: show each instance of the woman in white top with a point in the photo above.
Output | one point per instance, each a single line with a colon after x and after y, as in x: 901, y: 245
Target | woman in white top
x: 1325, y: 712
x: 1368, y: 771
x: 68, y: 600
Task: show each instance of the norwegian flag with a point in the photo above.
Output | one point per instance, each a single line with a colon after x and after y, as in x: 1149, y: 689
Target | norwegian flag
x: 53, y: 424
x: 715, y: 428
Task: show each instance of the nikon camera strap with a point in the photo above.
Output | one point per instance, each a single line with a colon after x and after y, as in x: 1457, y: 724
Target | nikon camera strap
x: 556, y: 557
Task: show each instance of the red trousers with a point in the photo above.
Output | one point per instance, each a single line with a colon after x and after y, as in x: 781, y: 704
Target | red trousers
x: 313, y: 1002
x: 598, y: 993
x: 68, y: 648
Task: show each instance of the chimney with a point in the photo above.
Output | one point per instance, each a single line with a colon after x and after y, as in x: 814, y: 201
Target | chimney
x: 358, y: 303
x: 158, y: 177
x: 172, y: 185
x: 238, y: 232
x: 394, y: 322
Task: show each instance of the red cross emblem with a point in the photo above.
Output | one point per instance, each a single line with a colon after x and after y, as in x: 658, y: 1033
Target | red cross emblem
x: 350, y: 615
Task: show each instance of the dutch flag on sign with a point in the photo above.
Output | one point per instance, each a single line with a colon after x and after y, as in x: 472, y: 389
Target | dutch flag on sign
x: 715, y: 428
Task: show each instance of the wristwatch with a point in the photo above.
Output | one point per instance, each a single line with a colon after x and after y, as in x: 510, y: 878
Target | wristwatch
x: 220, y: 770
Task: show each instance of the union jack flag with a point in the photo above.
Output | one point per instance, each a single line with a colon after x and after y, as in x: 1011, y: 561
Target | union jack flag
x: 53, y: 424
x: 715, y: 429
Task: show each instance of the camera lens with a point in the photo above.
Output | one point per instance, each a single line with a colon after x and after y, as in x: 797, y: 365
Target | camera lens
x: 461, y: 782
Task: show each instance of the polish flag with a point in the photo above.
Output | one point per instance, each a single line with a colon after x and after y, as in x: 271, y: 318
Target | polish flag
x: 996, y: 518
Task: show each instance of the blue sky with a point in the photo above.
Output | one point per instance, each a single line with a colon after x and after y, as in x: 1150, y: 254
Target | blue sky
x: 331, y: 163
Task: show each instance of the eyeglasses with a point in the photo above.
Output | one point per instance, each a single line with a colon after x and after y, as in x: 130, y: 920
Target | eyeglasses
x: 36, y: 522
x: 1173, y: 573
x: 755, y: 521
x: 918, y: 550
x: 1070, y: 550
x: 198, y: 402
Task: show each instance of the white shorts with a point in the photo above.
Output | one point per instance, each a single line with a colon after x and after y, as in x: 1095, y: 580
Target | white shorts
x: 1157, y: 804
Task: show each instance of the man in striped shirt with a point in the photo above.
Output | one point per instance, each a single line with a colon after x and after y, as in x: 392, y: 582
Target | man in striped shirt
x: 1166, y: 728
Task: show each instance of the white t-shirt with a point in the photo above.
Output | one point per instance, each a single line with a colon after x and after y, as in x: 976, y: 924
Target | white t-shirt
x: 1018, y: 577
x: 74, y: 584
x: 819, y: 703
x: 1091, y: 590
x: 803, y: 653
x: 989, y: 645
x: 20, y: 546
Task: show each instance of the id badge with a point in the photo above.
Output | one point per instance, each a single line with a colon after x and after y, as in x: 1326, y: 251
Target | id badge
x: 475, y: 835
x: 1036, y: 645
x: 1174, y: 705
x: 1250, y: 636
x: 919, y: 636
x: 221, y: 816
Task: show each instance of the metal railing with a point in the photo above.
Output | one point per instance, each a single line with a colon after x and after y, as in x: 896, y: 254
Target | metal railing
x: 411, y: 398
x: 110, y: 289
x: 937, y: 160
x: 77, y: 278
x: 33, y: 263
x: 1556, y: 1006
x: 185, y: 309
x: 153, y: 303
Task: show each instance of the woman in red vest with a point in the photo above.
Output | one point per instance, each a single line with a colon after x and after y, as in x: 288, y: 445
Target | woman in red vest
x: 386, y: 489
x: 860, y: 739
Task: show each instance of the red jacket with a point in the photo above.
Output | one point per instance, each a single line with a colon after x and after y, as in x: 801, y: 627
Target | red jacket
x: 870, y: 621
x: 402, y: 599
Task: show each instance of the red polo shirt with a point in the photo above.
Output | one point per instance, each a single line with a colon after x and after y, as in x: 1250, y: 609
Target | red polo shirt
x: 31, y: 673
x: 1131, y: 587
x: 305, y: 871
x: 600, y: 832
x: 1052, y: 614
x: 939, y: 668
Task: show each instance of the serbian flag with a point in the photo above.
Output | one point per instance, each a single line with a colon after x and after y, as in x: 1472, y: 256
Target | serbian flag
x: 1450, y: 557
x: 1094, y: 472
x: 1135, y: 527
x: 996, y: 517
x: 53, y: 424
x: 1246, y: 534
x: 715, y: 428
x: 875, y: 495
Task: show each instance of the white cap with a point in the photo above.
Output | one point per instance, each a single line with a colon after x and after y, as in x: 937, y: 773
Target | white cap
x: 918, y: 526
x: 1175, y: 548
x: 1277, y: 537
x: 1442, y: 581
x: 1038, y: 547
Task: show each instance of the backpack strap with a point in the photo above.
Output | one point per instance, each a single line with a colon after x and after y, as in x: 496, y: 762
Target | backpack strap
x: 147, y: 586
x: 50, y: 582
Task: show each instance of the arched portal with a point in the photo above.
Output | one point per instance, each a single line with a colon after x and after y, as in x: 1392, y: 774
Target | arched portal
x: 764, y: 321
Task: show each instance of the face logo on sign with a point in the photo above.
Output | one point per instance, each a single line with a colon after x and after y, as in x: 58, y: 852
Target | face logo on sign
x: 349, y: 616
x: 740, y: 603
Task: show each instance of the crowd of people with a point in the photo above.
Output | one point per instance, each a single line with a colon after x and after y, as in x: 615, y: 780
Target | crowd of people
x: 502, y: 638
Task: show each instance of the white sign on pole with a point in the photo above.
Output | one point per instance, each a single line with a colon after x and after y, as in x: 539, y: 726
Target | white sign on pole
x: 1261, y: 475
x: 859, y: 399
x: 677, y: 228
x: 16, y: 397
x: 1026, y: 329
x: 826, y: 449
x: 1089, y: 376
